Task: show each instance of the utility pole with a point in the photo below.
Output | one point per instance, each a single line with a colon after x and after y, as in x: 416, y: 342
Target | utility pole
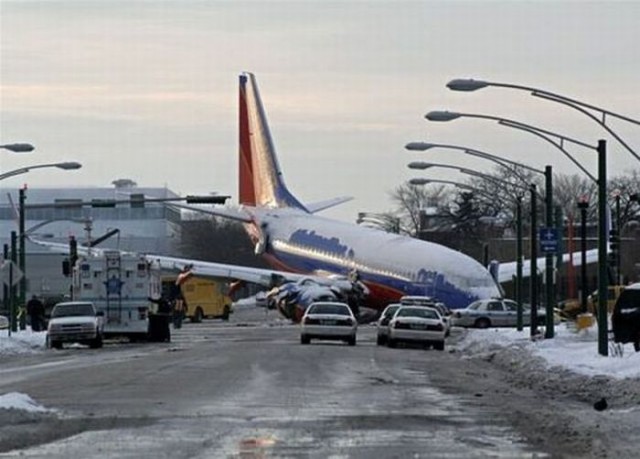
x: 12, y: 290
x: 22, y: 298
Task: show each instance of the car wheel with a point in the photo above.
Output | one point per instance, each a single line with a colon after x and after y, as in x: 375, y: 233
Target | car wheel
x: 438, y: 345
x: 304, y: 339
x: 381, y: 340
x: 483, y: 323
x: 56, y: 344
x: 391, y: 343
x: 352, y: 341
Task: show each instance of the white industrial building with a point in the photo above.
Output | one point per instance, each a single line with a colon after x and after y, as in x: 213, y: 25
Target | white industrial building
x: 152, y: 227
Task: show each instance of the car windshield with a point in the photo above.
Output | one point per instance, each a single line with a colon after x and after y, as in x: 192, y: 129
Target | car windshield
x: 329, y: 308
x: 423, y: 313
x: 390, y: 311
x: 70, y: 310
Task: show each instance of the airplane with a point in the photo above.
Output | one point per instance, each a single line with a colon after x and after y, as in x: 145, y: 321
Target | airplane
x: 315, y: 257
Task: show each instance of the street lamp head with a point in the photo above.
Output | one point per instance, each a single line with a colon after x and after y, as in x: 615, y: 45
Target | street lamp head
x: 419, y: 146
x: 18, y: 147
x: 419, y: 165
x: 69, y: 165
x: 419, y: 181
x: 466, y: 84
x: 440, y: 115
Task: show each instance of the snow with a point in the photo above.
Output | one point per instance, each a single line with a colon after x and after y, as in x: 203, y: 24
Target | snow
x: 574, y: 350
x: 22, y: 342
x: 18, y: 401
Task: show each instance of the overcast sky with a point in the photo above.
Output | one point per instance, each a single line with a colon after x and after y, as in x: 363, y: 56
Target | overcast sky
x: 148, y: 90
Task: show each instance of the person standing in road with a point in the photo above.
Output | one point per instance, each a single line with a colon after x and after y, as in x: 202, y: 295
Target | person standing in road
x: 179, y: 305
x: 35, y: 310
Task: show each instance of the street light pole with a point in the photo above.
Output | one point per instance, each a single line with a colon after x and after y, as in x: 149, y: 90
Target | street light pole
x: 533, y: 190
x: 549, y: 274
x: 519, y: 262
x: 22, y: 293
x: 583, y: 205
x: 21, y: 250
x: 603, y: 348
x: 533, y: 274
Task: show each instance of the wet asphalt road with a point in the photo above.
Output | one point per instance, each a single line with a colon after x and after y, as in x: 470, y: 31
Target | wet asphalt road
x: 248, y: 389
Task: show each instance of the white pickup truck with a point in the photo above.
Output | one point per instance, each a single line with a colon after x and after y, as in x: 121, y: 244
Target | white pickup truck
x: 75, y: 322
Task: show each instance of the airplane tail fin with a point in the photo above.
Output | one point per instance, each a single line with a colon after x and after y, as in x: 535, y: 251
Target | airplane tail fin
x: 261, y: 182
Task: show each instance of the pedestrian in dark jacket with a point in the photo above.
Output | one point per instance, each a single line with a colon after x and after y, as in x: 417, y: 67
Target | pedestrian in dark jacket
x: 35, y: 310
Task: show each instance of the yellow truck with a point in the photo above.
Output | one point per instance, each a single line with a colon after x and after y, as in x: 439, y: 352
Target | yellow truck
x: 205, y: 297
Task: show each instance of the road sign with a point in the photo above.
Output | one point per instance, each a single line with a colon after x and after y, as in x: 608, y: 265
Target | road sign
x: 10, y: 273
x: 548, y: 240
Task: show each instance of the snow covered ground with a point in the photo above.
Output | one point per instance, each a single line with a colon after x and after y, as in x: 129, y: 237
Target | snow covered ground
x: 570, y: 350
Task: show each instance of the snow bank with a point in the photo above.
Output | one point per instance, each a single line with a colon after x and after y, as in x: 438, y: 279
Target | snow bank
x: 18, y: 401
x: 569, y: 349
x: 21, y: 342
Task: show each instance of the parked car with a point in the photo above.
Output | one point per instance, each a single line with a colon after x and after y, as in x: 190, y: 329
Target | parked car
x: 75, y: 322
x: 383, y: 323
x: 625, y: 320
x: 4, y: 323
x: 330, y: 321
x: 417, y: 324
x: 428, y: 301
x: 494, y: 312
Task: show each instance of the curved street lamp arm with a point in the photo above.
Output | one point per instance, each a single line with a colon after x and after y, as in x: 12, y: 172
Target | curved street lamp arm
x: 463, y: 185
x: 600, y: 122
x: 22, y: 170
x: 511, y: 166
x: 562, y: 99
x: 494, y: 179
x: 558, y: 145
x: 513, y: 123
x: 576, y: 103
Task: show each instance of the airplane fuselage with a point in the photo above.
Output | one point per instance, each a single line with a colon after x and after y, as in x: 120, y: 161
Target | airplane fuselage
x: 389, y: 264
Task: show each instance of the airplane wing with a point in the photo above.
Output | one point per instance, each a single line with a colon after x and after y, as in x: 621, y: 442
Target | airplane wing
x: 296, y: 291
x: 507, y: 271
x: 321, y: 205
x: 239, y: 214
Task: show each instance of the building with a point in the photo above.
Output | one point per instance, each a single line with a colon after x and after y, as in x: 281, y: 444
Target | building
x: 142, y: 226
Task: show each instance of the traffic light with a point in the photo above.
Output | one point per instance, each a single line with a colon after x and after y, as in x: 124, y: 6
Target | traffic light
x: 214, y: 199
x: 73, y: 251
x: 614, y: 245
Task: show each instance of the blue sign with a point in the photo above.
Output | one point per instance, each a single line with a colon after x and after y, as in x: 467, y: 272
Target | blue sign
x: 549, y: 240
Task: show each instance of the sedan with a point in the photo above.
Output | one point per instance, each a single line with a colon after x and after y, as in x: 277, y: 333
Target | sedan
x: 417, y: 324
x: 383, y: 323
x: 493, y: 312
x: 328, y: 320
